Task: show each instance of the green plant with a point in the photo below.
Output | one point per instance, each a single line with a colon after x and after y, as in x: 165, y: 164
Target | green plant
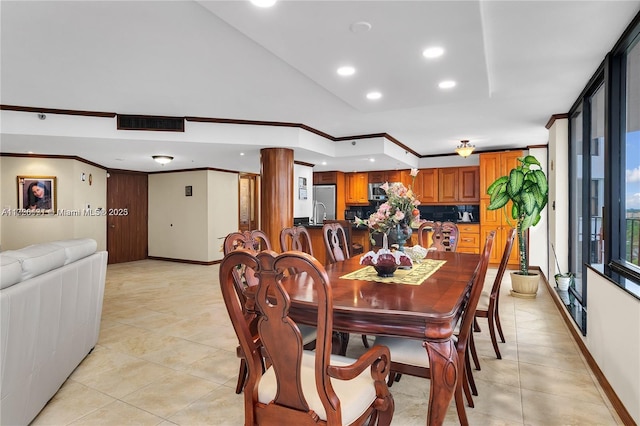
x: 527, y: 188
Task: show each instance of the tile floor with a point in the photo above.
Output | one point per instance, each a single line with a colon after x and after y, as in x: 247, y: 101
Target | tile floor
x: 167, y: 356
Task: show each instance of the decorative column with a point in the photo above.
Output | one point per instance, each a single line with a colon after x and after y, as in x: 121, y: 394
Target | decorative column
x: 276, y: 192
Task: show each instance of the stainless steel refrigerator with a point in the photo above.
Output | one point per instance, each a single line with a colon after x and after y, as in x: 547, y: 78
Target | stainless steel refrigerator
x: 324, y: 203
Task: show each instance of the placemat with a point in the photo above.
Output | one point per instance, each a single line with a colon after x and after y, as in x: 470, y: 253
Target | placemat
x: 414, y: 276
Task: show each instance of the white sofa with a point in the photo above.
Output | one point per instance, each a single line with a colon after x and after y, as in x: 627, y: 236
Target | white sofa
x: 50, y: 309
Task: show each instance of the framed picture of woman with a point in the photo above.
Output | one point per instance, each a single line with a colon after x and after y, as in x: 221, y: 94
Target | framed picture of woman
x: 37, y: 194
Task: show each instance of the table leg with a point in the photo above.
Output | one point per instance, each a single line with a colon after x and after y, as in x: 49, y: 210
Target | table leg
x: 443, y: 362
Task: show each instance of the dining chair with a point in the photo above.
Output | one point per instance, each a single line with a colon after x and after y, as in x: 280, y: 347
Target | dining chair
x: 298, y: 386
x: 424, y: 233
x: 443, y: 236
x: 408, y: 356
x: 337, y: 246
x: 296, y: 238
x: 488, y: 305
x: 354, y: 248
x: 243, y: 277
x: 335, y: 241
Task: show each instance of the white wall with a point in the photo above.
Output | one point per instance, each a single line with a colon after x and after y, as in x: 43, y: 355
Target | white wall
x: 191, y: 227
x: 558, y: 177
x: 613, y: 339
x: 301, y: 207
x: 73, y: 195
x: 223, y: 210
x: 538, y: 235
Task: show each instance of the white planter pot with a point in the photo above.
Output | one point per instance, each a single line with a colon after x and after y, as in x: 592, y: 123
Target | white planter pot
x: 563, y: 282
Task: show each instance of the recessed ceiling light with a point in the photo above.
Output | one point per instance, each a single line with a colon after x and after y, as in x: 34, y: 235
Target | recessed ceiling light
x: 324, y: 163
x: 374, y: 95
x: 360, y: 27
x: 433, y: 52
x: 346, y: 71
x: 242, y: 153
x: 447, y: 84
x: 263, y: 3
x: 373, y: 160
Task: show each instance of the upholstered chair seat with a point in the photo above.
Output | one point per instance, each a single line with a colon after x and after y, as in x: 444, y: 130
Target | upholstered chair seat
x: 356, y: 395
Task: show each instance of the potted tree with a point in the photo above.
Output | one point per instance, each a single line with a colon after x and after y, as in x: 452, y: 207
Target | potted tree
x: 527, y: 188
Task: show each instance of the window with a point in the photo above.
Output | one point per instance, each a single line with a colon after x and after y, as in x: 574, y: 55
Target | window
x: 604, y: 173
x: 631, y: 186
x: 596, y: 193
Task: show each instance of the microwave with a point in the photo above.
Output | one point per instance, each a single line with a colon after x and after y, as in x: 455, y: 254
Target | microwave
x: 376, y: 193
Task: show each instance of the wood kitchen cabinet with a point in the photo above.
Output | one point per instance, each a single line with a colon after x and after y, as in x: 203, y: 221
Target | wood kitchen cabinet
x: 325, y: 178
x: 356, y: 188
x: 382, y: 176
x: 469, y: 185
x: 425, y: 185
x: 468, y: 238
x: 458, y: 185
x: 492, y: 166
x: 448, y: 185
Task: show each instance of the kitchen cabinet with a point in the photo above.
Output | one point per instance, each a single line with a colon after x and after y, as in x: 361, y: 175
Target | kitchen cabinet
x: 382, y: 176
x: 325, y: 178
x: 356, y: 188
x: 424, y: 186
x: 458, y: 185
x: 492, y: 166
x: 448, y: 185
x: 468, y: 238
x: 469, y: 185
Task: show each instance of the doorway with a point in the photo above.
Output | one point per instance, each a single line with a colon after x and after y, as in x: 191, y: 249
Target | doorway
x: 248, y: 208
x: 127, y: 216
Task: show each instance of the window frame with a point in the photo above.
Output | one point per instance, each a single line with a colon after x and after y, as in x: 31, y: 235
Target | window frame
x: 615, y: 125
x: 611, y: 75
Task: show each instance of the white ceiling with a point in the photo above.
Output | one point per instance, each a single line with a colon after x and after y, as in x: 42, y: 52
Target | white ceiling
x: 516, y: 63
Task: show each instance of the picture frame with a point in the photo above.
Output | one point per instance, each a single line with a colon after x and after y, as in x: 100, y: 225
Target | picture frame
x: 302, y: 188
x: 37, y: 194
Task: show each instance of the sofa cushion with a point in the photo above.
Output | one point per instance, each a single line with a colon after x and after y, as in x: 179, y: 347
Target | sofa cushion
x: 10, y: 271
x: 77, y: 248
x: 38, y: 258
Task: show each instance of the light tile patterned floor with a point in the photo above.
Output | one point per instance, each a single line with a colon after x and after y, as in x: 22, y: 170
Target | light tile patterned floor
x: 167, y: 355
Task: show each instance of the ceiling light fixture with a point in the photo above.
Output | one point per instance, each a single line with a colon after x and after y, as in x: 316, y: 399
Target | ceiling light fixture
x: 346, y: 71
x: 465, y: 149
x: 162, y: 159
x: 447, y: 84
x: 360, y: 27
x: 433, y: 52
x: 263, y: 3
x: 374, y: 95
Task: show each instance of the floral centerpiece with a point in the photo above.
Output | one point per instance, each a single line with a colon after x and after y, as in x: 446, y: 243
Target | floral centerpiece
x: 397, y: 213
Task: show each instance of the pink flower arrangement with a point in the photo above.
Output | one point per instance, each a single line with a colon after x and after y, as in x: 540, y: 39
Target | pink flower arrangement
x: 400, y: 207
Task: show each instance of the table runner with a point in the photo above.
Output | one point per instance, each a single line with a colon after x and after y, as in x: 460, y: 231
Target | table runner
x: 414, y: 276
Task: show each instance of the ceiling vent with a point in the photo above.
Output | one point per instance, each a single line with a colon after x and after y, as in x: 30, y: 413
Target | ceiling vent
x: 150, y: 122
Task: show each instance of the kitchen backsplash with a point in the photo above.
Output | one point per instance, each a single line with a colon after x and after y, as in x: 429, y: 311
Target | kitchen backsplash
x: 431, y: 212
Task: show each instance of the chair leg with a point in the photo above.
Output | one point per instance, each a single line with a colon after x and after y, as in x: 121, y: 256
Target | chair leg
x: 474, y: 354
x: 339, y: 342
x: 242, y: 376
x: 391, y: 379
x: 476, y: 325
x: 471, y: 380
x: 498, y: 325
x: 494, y: 341
x: 365, y: 341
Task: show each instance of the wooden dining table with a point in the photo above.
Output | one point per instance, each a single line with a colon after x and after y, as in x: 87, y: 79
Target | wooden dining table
x: 428, y: 311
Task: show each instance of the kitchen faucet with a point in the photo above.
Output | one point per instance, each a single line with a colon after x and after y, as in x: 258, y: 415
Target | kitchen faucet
x: 315, y: 211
